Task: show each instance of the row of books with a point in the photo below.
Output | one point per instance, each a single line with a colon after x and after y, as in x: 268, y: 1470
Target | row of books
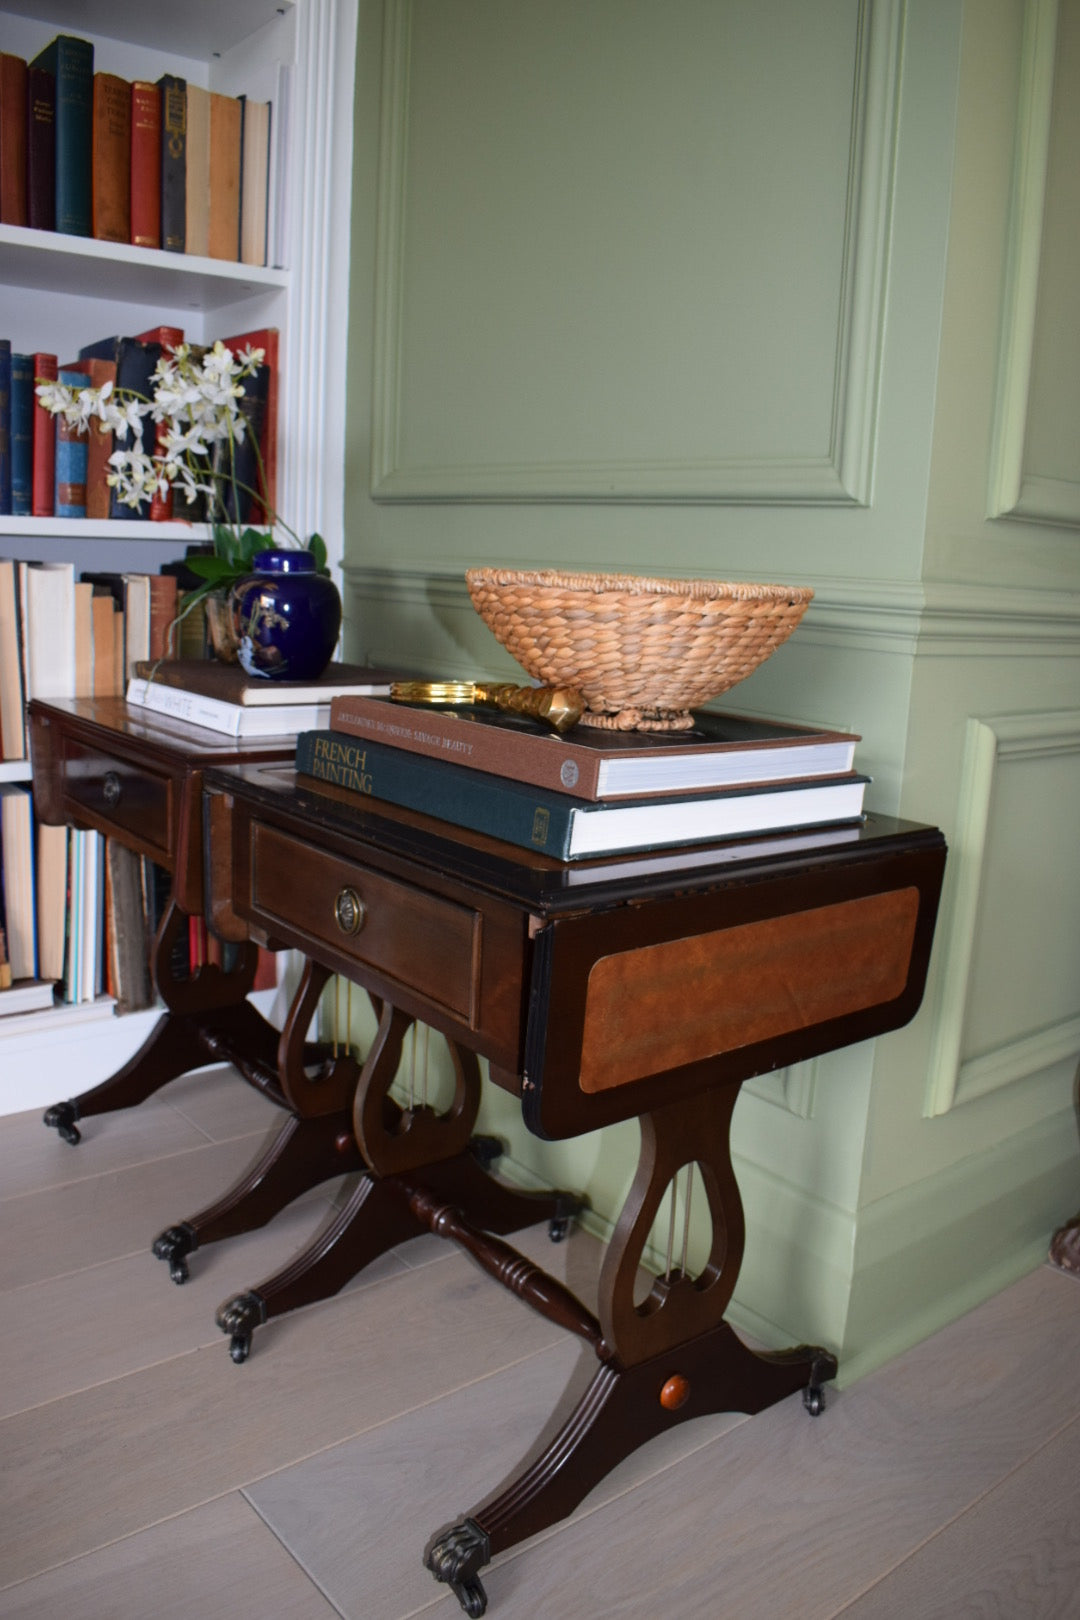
x: 591, y: 792
x: 68, y: 636
x: 47, y: 469
x: 165, y: 164
x: 78, y: 913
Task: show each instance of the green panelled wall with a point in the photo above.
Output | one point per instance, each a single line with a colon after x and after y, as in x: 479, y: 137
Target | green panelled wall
x: 772, y: 291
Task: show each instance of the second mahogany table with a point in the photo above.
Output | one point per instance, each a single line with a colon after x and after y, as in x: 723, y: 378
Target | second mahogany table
x: 138, y: 777
x: 646, y: 986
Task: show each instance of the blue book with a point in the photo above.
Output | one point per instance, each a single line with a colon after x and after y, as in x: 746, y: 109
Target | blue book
x: 559, y: 824
x: 71, y: 62
x: 71, y: 455
x: 5, y: 427
x: 22, y: 433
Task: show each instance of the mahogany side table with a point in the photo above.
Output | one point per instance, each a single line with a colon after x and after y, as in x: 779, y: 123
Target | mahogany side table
x: 645, y: 986
x: 138, y: 777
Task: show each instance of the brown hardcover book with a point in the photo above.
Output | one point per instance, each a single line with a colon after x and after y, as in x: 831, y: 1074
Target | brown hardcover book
x: 130, y: 955
x: 724, y: 750
x: 84, y: 639
x: 254, y: 180
x: 230, y: 684
x: 106, y: 677
x: 13, y: 131
x: 225, y: 131
x: 145, y: 164
x: 197, y: 189
x: 163, y: 609
x: 52, y: 898
x: 110, y: 172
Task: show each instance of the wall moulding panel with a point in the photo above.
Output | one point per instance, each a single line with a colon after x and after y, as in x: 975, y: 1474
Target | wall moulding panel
x: 975, y: 908
x: 615, y: 340
x: 1032, y: 474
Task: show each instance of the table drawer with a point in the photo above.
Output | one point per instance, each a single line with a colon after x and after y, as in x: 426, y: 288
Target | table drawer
x: 405, y: 934
x: 132, y: 801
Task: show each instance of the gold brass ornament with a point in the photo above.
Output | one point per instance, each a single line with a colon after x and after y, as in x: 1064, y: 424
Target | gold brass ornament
x: 558, y: 706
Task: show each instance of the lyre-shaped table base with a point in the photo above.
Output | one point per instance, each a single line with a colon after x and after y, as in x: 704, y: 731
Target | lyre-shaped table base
x: 376, y: 1216
x: 207, y: 1020
x: 315, y: 1142
x: 662, y: 1362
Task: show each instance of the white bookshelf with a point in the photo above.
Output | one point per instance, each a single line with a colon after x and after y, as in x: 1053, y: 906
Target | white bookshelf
x: 59, y: 292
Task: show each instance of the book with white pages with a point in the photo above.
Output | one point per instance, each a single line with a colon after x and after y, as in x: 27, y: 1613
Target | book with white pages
x: 227, y: 719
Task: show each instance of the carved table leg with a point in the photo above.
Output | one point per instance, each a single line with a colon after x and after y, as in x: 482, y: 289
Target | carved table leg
x: 185, y: 1037
x: 303, y: 1153
x: 373, y: 1220
x: 663, y: 1361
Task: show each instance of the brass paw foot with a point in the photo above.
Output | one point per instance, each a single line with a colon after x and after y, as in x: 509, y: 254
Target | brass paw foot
x: 61, y: 1117
x: 456, y: 1557
x: 174, y: 1245
x: 239, y: 1317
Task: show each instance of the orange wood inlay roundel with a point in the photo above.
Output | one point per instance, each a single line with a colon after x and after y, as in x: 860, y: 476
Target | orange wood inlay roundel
x: 675, y: 1393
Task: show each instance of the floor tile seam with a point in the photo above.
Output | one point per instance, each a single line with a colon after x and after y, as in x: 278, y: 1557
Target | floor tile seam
x: 134, y: 1164
x: 395, y: 1417
x: 127, y: 1535
x: 977, y: 1501
x: 188, y: 1349
x: 308, y: 1574
x: 104, y: 1383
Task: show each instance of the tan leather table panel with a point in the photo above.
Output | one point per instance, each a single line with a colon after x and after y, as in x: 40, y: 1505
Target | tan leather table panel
x: 688, y: 999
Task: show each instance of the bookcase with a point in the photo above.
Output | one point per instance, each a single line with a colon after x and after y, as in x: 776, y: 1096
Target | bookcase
x: 59, y: 292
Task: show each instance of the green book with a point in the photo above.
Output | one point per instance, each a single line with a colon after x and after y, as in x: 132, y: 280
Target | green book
x: 559, y: 824
x: 71, y: 62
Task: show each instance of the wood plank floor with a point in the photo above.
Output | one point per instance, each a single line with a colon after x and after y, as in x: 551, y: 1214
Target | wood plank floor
x: 143, y: 1474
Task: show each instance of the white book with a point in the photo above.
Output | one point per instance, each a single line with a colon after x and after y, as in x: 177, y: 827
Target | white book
x: 26, y: 995
x: 50, y: 630
x: 228, y: 719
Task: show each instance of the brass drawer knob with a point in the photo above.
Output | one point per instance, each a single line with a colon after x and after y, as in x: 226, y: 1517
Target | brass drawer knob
x: 349, y: 911
x: 111, y: 788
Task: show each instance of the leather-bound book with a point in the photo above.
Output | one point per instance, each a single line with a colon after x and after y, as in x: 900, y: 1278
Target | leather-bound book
x: 111, y: 159
x: 225, y: 131
x: 40, y: 148
x: 71, y: 62
x: 173, y: 162
x: 13, y: 129
x: 145, y: 164
x: 43, y: 473
x: 71, y: 458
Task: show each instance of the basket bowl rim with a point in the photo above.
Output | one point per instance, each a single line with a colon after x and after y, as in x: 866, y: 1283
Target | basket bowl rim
x: 597, y: 584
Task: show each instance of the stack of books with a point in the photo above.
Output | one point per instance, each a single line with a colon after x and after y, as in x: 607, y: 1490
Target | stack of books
x: 225, y: 699
x: 592, y: 792
x: 157, y: 163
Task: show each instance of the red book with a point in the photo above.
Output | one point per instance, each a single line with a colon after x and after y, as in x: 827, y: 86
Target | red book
x: 163, y: 609
x: 145, y: 164
x: 266, y: 338
x: 169, y: 337
x: 13, y: 125
x: 43, y: 493
x: 110, y: 168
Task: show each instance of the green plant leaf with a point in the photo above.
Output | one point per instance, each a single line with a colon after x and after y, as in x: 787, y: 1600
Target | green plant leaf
x: 317, y: 546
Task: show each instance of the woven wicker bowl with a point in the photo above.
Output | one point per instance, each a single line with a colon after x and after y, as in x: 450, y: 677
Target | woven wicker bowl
x: 643, y: 652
